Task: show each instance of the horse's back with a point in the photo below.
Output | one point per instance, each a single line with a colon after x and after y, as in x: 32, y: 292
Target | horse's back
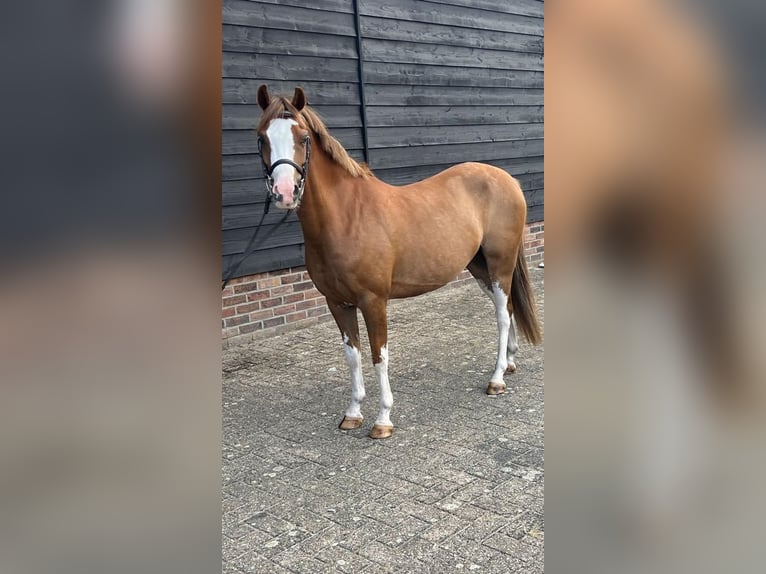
x: 478, y: 180
x: 483, y: 189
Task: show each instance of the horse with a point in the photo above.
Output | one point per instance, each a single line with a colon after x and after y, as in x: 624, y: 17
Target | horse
x: 367, y: 242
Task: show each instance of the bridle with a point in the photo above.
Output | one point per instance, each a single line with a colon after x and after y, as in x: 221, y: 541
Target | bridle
x: 299, y: 187
x: 269, y: 169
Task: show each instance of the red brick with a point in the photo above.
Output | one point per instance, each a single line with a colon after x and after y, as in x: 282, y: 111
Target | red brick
x: 236, y: 300
x: 258, y: 315
x: 294, y: 298
x: 304, y: 286
x: 235, y: 321
x: 311, y: 293
x: 248, y: 307
x: 268, y: 303
x: 307, y: 304
x: 273, y: 322
x: 268, y: 283
x: 245, y: 287
x: 228, y: 291
x: 283, y: 290
x: 250, y: 327
x: 257, y: 295
x: 284, y: 309
x: 228, y: 312
x: 292, y: 278
x: 293, y: 317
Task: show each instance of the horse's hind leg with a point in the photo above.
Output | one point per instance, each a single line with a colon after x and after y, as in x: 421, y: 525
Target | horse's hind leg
x: 497, y: 286
x: 348, y: 324
x: 500, y: 292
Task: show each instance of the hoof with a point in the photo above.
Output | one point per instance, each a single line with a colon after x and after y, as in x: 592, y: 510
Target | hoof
x: 495, y: 388
x: 349, y: 423
x: 381, y: 431
x: 511, y: 368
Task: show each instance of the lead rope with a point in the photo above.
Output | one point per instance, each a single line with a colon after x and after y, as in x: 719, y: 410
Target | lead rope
x: 230, y: 273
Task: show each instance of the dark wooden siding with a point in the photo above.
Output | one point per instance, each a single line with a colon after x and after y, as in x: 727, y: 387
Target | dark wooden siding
x: 455, y: 80
x: 445, y: 81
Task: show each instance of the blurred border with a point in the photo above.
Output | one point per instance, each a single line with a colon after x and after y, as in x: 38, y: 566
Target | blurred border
x: 655, y: 388
x: 110, y: 290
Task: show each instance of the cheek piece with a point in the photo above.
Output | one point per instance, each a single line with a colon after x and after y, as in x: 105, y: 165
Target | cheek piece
x: 269, y: 169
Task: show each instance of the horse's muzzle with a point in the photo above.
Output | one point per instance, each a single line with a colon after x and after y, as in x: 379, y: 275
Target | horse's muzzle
x: 286, y: 194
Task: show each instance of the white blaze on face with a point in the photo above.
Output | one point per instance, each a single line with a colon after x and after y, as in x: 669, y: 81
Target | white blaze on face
x: 282, y: 145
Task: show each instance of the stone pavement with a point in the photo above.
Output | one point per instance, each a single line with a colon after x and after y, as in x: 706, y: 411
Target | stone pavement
x: 458, y: 488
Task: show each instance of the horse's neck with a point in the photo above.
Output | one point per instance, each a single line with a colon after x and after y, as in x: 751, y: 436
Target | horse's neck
x: 329, y: 191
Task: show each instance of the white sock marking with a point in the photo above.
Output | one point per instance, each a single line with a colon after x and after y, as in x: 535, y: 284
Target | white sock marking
x: 500, y: 299
x: 386, y: 398
x: 354, y: 360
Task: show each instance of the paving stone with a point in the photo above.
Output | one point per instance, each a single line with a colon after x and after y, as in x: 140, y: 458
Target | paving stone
x: 343, y: 559
x: 234, y: 548
x: 443, y: 529
x: 390, y: 559
x: 458, y: 488
x: 296, y: 560
x: 251, y: 561
x: 407, y: 529
x: 365, y: 531
x: 316, y: 543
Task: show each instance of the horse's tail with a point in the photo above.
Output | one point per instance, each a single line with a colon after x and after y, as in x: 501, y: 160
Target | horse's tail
x: 523, y: 301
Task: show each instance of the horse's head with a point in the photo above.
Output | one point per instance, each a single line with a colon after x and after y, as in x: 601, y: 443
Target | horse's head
x: 285, y: 146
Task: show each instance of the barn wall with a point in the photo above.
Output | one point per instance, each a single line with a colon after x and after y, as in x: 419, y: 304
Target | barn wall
x: 454, y: 81
x: 445, y: 81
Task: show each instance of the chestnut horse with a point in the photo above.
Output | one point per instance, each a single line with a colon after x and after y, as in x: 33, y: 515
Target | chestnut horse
x: 368, y: 242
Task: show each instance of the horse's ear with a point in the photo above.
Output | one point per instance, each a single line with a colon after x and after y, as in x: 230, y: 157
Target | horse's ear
x: 264, y: 99
x: 299, y: 99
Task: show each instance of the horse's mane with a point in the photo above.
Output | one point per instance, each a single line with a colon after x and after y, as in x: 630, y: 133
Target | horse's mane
x: 280, y: 105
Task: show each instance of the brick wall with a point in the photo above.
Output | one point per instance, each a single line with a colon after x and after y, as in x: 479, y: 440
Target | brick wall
x: 534, y: 243
x: 271, y: 303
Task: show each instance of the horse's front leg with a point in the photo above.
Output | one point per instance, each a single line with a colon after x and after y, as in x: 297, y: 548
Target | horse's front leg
x: 375, y: 317
x: 345, y: 317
